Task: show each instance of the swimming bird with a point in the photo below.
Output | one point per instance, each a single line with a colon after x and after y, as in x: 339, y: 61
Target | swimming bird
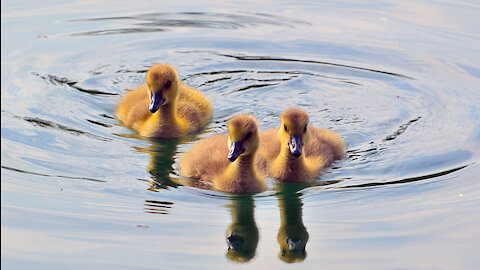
x: 164, y: 107
x: 297, y: 152
x: 228, y: 162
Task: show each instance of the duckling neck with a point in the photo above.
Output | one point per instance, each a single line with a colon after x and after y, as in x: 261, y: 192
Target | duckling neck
x: 242, y: 212
x: 241, y: 176
x: 290, y: 209
x: 167, y: 115
x: 243, y: 167
x: 288, y: 161
x: 168, y: 112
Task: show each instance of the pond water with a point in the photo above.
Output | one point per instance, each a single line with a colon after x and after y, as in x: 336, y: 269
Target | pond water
x: 399, y: 81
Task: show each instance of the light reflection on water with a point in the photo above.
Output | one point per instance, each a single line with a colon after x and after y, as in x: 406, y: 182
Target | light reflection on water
x: 80, y: 190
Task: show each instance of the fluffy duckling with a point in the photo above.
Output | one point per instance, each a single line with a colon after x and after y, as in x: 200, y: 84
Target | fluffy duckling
x: 297, y: 152
x: 228, y: 162
x: 164, y: 107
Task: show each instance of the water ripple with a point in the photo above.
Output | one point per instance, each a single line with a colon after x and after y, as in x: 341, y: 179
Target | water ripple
x: 51, y: 175
x: 162, y: 21
x: 57, y: 80
x: 401, y: 129
x: 49, y: 124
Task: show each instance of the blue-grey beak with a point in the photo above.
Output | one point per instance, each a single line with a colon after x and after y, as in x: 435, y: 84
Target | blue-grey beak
x: 156, y: 100
x: 236, y: 149
x: 296, y: 145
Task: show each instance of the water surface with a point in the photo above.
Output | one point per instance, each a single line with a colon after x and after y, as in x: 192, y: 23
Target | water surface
x: 399, y: 81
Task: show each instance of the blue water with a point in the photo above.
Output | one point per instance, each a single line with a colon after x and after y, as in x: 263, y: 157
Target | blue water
x: 399, y: 81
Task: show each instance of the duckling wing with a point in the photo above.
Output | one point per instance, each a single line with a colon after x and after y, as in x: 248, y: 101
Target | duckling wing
x: 324, y: 144
x: 269, y: 144
x: 133, y: 108
x: 193, y: 107
x: 206, y: 159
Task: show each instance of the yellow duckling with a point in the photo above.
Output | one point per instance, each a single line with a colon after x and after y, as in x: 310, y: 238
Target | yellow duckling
x: 164, y: 107
x: 297, y: 152
x: 228, y: 162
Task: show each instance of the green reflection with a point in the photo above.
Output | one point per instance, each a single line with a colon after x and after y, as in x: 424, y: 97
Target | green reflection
x: 162, y: 154
x: 242, y: 234
x: 292, y: 234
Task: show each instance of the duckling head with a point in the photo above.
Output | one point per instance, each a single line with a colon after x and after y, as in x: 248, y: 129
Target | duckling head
x: 294, y: 132
x: 162, y: 81
x: 243, y: 136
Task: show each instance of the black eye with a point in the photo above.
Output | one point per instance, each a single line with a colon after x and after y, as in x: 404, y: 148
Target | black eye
x: 285, y: 127
x: 305, y: 129
x: 248, y: 136
x: 167, y: 84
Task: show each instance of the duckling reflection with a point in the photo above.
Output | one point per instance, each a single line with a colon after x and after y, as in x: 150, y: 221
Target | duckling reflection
x: 242, y: 234
x: 292, y: 234
x: 162, y: 154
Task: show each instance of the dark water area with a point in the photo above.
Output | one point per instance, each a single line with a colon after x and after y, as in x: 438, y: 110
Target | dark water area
x: 399, y: 81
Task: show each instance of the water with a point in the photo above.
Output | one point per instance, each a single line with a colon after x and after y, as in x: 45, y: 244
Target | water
x: 399, y: 81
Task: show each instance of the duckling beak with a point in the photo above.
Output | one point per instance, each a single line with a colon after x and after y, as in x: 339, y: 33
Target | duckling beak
x: 296, y: 145
x: 236, y: 149
x: 156, y: 101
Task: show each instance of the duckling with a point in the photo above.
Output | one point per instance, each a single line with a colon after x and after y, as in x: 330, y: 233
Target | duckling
x: 164, y: 107
x: 228, y: 162
x: 297, y: 152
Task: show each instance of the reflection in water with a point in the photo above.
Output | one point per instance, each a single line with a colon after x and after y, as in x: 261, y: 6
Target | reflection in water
x: 292, y: 234
x: 157, y: 207
x: 162, y: 153
x: 242, y: 234
x: 161, y: 161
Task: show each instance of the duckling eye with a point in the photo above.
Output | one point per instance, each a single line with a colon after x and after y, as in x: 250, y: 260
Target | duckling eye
x: 248, y: 136
x: 305, y: 129
x: 285, y: 127
x: 167, y: 84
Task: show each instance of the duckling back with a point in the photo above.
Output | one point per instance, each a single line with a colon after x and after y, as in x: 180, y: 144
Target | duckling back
x: 325, y: 146
x: 206, y: 159
x: 133, y: 108
x: 193, y: 107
